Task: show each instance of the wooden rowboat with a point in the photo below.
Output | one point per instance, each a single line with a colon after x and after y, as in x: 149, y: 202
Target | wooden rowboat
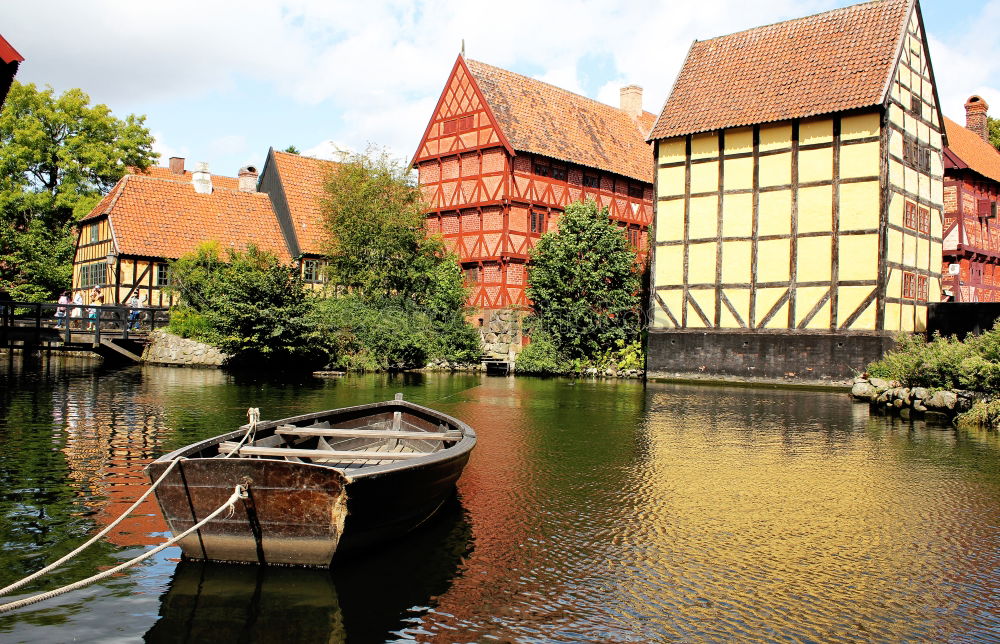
x: 333, y: 480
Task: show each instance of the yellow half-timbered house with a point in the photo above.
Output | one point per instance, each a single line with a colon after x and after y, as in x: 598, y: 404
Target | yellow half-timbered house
x: 799, y: 197
x: 149, y: 218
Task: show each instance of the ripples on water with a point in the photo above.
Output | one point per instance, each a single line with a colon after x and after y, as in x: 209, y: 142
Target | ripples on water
x: 589, y: 512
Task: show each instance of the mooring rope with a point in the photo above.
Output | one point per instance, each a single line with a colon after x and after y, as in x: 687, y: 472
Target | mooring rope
x: 238, y: 493
x: 92, y: 540
x: 253, y: 416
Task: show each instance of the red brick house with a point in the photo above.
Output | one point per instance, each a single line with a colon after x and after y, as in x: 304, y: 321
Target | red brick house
x: 971, y: 251
x: 504, y: 154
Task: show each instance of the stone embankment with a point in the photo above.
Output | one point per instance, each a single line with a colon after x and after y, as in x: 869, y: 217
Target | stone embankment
x: 920, y: 402
x: 444, y: 365
x: 168, y: 349
x: 594, y: 372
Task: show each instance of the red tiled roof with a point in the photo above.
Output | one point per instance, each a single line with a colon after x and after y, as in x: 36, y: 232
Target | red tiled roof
x: 303, y: 180
x: 974, y: 152
x: 829, y: 62
x: 544, y: 119
x: 153, y: 217
x: 219, y: 181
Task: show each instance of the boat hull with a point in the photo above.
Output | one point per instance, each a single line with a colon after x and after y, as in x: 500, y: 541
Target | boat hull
x: 298, y: 513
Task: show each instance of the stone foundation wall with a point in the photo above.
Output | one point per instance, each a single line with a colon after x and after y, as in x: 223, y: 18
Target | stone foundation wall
x: 168, y: 349
x: 501, y: 334
x: 773, y: 355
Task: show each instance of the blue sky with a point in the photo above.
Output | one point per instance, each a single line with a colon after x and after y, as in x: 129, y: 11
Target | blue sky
x: 222, y: 81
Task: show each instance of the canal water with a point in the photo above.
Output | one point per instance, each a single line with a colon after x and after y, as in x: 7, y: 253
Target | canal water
x: 590, y: 511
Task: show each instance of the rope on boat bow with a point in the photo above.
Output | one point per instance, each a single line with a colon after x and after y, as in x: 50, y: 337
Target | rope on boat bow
x: 253, y: 416
x: 238, y: 493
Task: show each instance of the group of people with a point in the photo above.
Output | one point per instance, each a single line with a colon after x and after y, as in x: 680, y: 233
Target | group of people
x: 73, y: 311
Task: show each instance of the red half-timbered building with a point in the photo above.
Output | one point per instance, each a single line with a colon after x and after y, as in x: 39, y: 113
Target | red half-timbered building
x: 971, y: 261
x: 504, y: 154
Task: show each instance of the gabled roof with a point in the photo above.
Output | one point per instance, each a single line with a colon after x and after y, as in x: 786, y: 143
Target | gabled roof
x: 543, y: 119
x: 830, y: 62
x: 218, y: 181
x: 153, y: 217
x: 968, y: 150
x: 303, y: 180
x: 7, y: 53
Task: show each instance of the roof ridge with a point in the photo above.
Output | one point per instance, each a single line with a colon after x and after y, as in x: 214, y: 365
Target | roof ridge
x: 304, y: 156
x: 186, y: 172
x: 120, y: 188
x: 561, y: 89
x: 146, y: 177
x: 851, y: 7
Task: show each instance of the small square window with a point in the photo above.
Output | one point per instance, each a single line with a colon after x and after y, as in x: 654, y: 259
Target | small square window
x: 916, y: 105
x: 542, y: 170
x: 591, y: 181
x: 162, y: 275
x: 558, y: 173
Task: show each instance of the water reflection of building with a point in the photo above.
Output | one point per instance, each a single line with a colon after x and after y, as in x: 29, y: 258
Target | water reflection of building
x: 109, y: 439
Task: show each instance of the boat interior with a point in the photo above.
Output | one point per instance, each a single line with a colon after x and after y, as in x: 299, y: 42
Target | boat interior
x: 346, y: 444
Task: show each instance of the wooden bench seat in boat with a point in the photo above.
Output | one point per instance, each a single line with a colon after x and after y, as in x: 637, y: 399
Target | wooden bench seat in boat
x: 291, y: 430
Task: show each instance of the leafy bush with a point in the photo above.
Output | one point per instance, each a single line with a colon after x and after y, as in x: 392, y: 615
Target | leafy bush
x: 541, y: 357
x: 360, y: 334
x: 946, y: 363
x: 188, y: 323
x: 251, y: 307
x: 983, y: 414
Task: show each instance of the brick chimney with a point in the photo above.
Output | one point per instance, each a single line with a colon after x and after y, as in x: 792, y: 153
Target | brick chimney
x: 975, y: 116
x: 248, y: 179
x: 631, y: 100
x: 177, y: 165
x: 201, y: 179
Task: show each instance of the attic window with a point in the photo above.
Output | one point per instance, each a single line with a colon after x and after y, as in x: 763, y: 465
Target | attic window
x: 558, y: 173
x: 450, y: 126
x: 591, y: 181
x: 542, y: 169
x: 916, y: 105
x: 635, y: 191
x: 466, y: 123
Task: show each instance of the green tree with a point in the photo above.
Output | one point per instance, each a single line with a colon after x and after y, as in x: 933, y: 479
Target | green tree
x: 377, y: 244
x: 404, y: 286
x: 292, y: 150
x: 584, y: 284
x: 994, y: 129
x: 58, y: 154
x: 250, y: 305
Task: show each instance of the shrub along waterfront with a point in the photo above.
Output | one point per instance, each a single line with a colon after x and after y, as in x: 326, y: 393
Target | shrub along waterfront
x: 394, y: 297
x: 584, y: 283
x: 970, y: 365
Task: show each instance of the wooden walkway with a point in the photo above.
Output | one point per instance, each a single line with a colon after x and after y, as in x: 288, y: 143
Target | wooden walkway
x: 33, y: 326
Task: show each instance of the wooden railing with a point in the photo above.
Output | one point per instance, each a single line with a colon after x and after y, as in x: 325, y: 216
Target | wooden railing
x: 37, y: 321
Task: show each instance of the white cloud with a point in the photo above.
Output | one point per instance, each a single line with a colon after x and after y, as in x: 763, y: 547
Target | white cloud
x: 166, y: 150
x: 968, y: 62
x: 329, y: 150
x: 374, y: 70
